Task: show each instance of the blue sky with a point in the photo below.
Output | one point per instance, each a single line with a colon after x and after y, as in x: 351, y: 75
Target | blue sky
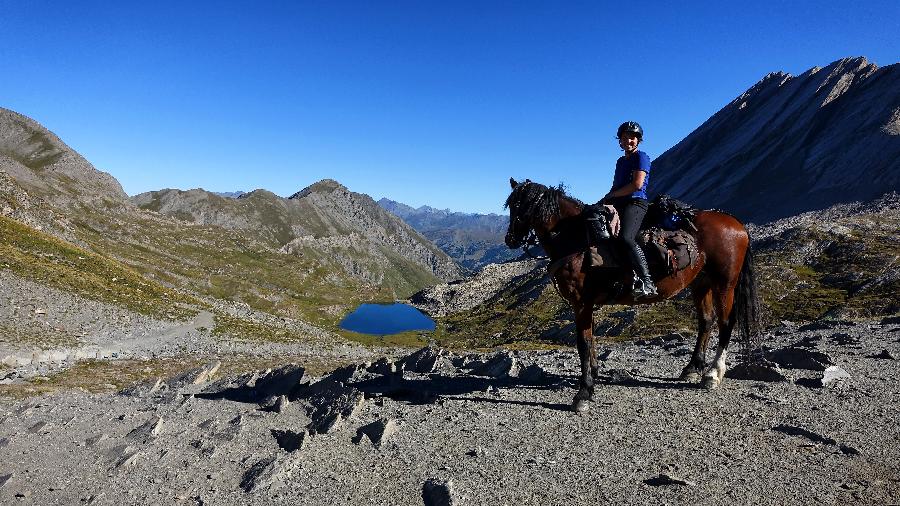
x: 434, y: 103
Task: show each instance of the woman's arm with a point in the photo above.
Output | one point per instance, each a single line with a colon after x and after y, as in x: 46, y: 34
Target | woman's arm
x: 636, y: 183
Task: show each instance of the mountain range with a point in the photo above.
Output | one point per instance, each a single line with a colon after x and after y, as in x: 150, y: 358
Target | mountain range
x: 793, y: 143
x: 324, y: 247
x: 473, y: 240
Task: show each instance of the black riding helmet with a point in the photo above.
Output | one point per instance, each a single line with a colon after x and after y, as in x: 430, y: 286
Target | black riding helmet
x: 631, y: 127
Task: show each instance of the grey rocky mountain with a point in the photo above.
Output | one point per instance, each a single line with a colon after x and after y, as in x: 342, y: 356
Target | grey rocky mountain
x: 793, y: 143
x: 324, y: 219
x: 473, y: 240
x: 44, y: 166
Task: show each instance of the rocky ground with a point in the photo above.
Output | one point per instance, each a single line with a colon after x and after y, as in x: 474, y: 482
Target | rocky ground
x: 44, y: 330
x: 442, y: 428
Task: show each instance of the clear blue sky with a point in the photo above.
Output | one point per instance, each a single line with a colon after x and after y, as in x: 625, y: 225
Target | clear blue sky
x: 422, y: 102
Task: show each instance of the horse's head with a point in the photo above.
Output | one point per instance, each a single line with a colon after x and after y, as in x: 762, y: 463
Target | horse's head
x: 530, y: 205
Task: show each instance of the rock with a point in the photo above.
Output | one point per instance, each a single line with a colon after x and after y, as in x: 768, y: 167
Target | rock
x: 281, y: 404
x: 282, y: 381
x: 438, y: 493
x: 194, y: 376
x: 533, y: 375
x: 143, y: 389
x: 605, y: 354
x: 885, y: 354
x: 329, y: 403
x: 38, y: 427
x: 289, y: 440
x: 844, y: 339
x: 382, y: 367
x: 147, y: 430
x: 891, y: 320
x: 501, y: 365
x: 821, y: 325
x: 122, y: 455
x: 834, y: 374
x: 4, y: 442
x: 831, y: 375
x: 800, y: 358
x: 377, y: 432
x: 621, y: 376
x: 426, y: 360
x: 665, y: 479
x: 264, y: 473
x: 764, y: 371
x: 93, y: 440
x: 5, y: 478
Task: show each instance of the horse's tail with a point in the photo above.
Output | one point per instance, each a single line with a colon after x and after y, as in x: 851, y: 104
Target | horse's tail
x: 747, y: 310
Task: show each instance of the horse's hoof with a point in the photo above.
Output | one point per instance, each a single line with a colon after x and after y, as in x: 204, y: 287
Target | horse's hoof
x: 710, y: 382
x: 580, y: 405
x: 689, y: 377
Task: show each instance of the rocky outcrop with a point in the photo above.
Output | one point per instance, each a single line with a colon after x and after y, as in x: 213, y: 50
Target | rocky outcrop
x: 793, y: 143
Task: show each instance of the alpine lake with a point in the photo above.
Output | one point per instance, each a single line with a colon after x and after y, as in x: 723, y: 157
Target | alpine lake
x: 386, y: 319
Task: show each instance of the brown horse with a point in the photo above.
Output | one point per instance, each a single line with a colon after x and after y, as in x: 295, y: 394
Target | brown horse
x: 721, y: 279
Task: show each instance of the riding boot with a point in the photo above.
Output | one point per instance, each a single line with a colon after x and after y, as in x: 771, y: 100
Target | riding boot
x: 596, y: 224
x: 643, y: 286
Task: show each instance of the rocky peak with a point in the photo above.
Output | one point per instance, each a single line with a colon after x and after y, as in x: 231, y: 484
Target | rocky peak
x: 38, y: 161
x: 323, y: 186
x: 791, y: 144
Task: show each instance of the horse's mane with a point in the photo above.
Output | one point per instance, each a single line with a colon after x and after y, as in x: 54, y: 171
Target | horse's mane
x: 537, y: 201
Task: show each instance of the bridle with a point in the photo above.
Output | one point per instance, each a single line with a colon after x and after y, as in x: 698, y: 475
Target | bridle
x: 531, y: 236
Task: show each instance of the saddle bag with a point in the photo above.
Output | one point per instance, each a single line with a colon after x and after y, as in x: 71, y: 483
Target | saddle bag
x: 669, y: 213
x: 668, y: 251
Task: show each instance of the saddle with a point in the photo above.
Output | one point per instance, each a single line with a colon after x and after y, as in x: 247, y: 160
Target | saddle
x: 667, y: 253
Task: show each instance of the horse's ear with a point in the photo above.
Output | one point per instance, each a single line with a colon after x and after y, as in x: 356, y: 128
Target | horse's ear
x: 513, y: 183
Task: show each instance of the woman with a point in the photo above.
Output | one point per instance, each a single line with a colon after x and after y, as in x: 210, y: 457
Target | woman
x: 629, y: 196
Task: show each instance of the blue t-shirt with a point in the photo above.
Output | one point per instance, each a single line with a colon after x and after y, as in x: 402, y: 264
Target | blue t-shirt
x: 625, y: 165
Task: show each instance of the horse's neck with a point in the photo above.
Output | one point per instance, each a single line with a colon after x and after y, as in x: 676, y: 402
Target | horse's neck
x: 568, y: 209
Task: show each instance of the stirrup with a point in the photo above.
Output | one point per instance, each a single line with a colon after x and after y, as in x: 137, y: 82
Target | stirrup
x: 643, y: 288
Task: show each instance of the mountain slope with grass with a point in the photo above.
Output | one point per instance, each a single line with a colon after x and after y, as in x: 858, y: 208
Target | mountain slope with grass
x: 262, y: 265
x: 791, y: 144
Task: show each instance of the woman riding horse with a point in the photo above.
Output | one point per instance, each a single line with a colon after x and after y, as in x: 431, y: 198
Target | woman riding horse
x: 721, y: 278
x: 629, y: 196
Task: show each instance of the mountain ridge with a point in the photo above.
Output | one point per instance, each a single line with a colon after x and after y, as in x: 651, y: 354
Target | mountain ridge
x: 790, y: 144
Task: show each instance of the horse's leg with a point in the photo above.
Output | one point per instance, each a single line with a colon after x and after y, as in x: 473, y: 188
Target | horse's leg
x: 705, y: 317
x: 723, y: 300
x: 584, y: 324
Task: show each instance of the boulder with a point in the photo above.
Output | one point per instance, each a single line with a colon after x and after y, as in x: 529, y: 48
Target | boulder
x: 426, y: 360
x: 760, y: 371
x: 330, y: 402
x: 264, y: 473
x: 377, y: 432
x: 801, y: 358
x: 438, y: 493
x: 830, y: 376
x: 289, y: 440
x: 501, y: 365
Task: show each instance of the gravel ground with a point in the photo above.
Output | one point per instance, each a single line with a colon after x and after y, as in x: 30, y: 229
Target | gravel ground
x: 479, y: 429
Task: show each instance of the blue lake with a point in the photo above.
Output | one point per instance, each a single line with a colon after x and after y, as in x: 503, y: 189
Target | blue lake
x: 385, y: 319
